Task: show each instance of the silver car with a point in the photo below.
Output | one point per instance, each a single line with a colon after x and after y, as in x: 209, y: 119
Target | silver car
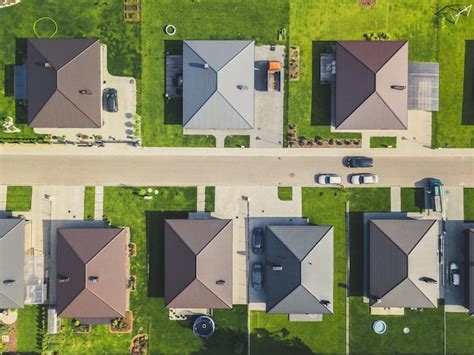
x: 329, y: 179
x: 365, y: 178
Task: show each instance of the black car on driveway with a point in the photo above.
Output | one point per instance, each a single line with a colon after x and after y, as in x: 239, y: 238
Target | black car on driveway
x: 257, y: 276
x: 110, y: 100
x: 359, y: 162
x: 257, y: 241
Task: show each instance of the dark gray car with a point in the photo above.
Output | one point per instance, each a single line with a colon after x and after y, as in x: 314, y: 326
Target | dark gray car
x: 257, y: 241
x: 111, y: 100
x: 257, y: 276
x: 359, y: 162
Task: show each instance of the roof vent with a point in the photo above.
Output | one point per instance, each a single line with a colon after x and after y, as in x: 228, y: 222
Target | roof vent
x: 47, y: 65
x: 242, y: 87
x: 63, y: 279
x: 325, y: 302
x: 398, y: 87
x: 220, y: 282
x: 85, y: 92
x: 94, y: 279
x: 277, y: 268
x: 205, y: 66
x: 8, y: 282
x: 428, y: 280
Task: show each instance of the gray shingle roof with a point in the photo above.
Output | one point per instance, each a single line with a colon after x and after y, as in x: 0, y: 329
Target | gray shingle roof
x: 306, y: 256
x: 365, y: 74
x: 402, y: 253
x: 12, y: 259
x: 218, y: 84
x: 469, y: 270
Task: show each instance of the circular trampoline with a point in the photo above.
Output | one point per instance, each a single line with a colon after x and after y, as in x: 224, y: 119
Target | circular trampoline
x: 379, y: 327
x: 170, y: 30
x: 203, y: 327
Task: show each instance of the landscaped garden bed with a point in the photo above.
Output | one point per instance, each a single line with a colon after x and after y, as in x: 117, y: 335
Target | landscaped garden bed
x: 132, y: 250
x: 318, y: 142
x: 78, y: 327
x: 294, y: 69
x: 122, y: 324
x: 132, y: 283
x: 139, y: 344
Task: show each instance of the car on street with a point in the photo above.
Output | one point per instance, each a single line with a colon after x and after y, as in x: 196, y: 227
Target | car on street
x: 111, y: 100
x: 359, y: 162
x: 454, y: 274
x: 329, y: 179
x: 364, y: 178
x: 257, y: 276
x: 257, y: 241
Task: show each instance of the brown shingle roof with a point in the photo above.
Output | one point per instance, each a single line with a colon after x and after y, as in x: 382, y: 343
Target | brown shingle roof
x: 83, y: 254
x: 365, y: 74
x: 54, y: 98
x: 198, y: 253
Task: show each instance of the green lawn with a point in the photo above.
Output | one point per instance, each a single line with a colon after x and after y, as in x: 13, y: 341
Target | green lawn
x: 31, y: 325
x: 314, y: 22
x: 383, y: 142
x: 89, y: 203
x: 124, y: 207
x: 19, y: 198
x: 210, y: 198
x: 412, y: 199
x: 459, y: 329
x: 75, y: 18
x: 216, y: 19
x: 285, y: 193
x: 469, y: 204
x: 237, y: 141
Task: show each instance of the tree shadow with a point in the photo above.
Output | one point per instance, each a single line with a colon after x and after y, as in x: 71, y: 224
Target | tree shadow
x: 155, y: 230
x: 173, y: 107
x: 321, y: 93
x: 468, y: 92
x: 9, y: 86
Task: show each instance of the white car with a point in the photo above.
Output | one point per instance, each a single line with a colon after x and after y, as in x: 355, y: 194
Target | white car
x: 329, y: 179
x: 455, y: 274
x: 362, y: 179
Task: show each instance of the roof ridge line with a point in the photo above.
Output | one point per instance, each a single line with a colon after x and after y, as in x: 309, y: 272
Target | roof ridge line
x: 353, y: 56
x: 72, y: 103
x: 390, y: 109
x: 236, y: 54
x: 238, y: 113
x: 186, y: 245
x: 12, y: 228
x: 204, y: 285
x: 419, y: 240
x: 5, y: 295
x: 40, y: 52
x: 77, y: 55
x: 105, y: 245
x: 314, y: 246
x: 215, y: 235
x: 101, y: 299
x: 409, y: 279
x: 394, y: 53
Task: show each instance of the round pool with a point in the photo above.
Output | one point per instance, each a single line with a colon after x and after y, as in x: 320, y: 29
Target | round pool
x: 379, y: 327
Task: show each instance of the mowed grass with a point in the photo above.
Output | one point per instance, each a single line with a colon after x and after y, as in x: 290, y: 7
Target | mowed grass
x: 210, y: 195
x: 412, y: 199
x: 285, y: 193
x: 206, y: 19
x: 459, y: 329
x: 89, y: 203
x: 383, y: 142
x: 30, y: 328
x: 237, y: 141
x: 313, y: 22
x: 101, y: 19
x: 469, y: 204
x: 19, y: 198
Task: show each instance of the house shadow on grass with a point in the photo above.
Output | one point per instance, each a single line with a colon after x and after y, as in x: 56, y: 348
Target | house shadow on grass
x: 468, y: 92
x: 356, y: 276
x: 321, y: 93
x: 9, y: 79
x: 173, y: 106
x: 155, y: 230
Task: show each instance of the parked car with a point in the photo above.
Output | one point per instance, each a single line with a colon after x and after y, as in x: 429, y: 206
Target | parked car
x: 111, y: 100
x: 257, y: 276
x: 455, y: 275
x: 364, y: 178
x: 257, y: 241
x: 359, y: 162
x: 329, y: 179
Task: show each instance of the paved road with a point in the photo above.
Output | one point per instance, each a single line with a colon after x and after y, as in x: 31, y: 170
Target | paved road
x: 221, y: 167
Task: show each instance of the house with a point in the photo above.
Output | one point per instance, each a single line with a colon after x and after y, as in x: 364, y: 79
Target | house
x: 403, y: 263
x: 198, y: 263
x: 91, y: 274
x: 371, y: 85
x: 12, y: 263
x: 63, y: 86
x: 299, y: 270
x: 469, y: 270
x: 218, y: 84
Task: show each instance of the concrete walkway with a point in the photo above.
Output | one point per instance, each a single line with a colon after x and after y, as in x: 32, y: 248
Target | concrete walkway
x: 201, y: 198
x: 395, y: 199
x: 3, y: 197
x: 99, y: 203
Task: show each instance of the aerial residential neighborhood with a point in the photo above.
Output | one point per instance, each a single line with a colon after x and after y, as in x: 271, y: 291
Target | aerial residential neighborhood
x: 236, y: 177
